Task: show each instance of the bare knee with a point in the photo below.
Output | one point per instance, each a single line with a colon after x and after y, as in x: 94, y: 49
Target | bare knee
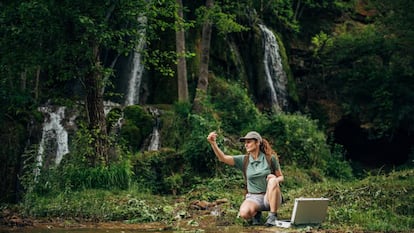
x: 247, y: 210
x: 244, y: 213
x: 273, y: 183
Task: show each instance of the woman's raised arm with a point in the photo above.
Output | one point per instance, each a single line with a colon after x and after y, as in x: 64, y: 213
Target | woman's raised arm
x: 227, y: 159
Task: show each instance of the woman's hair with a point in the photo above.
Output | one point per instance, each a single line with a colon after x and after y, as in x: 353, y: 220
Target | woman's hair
x: 266, y: 148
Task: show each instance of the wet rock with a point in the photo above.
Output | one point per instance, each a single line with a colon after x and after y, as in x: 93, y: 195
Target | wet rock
x: 13, y: 220
x: 200, y: 205
x: 221, y: 201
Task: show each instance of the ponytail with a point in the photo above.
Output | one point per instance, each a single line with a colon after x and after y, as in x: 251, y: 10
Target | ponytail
x: 266, y: 148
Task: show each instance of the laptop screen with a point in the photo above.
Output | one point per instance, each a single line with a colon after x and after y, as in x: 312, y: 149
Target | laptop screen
x: 309, y: 210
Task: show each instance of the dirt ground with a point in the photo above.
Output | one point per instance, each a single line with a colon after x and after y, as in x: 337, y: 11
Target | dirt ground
x: 12, y: 222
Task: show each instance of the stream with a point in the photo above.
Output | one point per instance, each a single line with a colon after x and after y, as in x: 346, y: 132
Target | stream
x: 232, y: 229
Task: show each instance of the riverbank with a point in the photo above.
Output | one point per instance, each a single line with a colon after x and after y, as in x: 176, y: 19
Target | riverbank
x: 376, y: 203
x: 204, y: 223
x: 197, y: 221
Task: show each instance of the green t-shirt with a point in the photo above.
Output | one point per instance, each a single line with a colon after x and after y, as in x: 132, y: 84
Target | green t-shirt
x: 256, y: 172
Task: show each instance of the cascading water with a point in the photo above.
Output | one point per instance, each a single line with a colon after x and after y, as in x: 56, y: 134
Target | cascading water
x: 108, y: 106
x: 155, y: 140
x: 137, y: 68
x: 275, y: 75
x: 155, y: 136
x: 54, y: 142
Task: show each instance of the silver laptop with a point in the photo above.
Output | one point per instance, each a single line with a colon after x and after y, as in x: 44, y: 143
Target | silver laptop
x: 306, y: 211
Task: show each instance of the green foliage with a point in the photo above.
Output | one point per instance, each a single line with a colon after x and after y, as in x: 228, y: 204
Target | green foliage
x: 155, y: 170
x: 72, y: 175
x: 218, y: 187
x: 175, y: 182
x: 182, y: 109
x: 172, y: 130
x: 380, y: 202
x: 312, y: 17
x: 82, y: 146
x: 297, y: 140
x: 65, y: 50
x: 112, y: 118
x: 320, y: 41
x: 369, y: 71
x: 174, y: 125
x: 371, y: 76
x: 383, y: 200
x: 281, y: 14
x: 277, y: 13
x: 115, y: 176
x: 224, y: 21
x: 393, y: 18
x: 235, y: 110
x: 137, y: 126
x: 29, y: 169
x: 23, y: 38
x: 162, y: 24
x: 295, y: 177
x: 337, y: 167
x: 197, y: 151
x: 75, y: 172
x: 14, y: 149
x: 98, y: 205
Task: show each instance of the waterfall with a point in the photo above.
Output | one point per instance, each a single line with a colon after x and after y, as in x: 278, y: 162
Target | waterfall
x: 134, y: 83
x: 275, y: 75
x: 155, y: 140
x: 137, y: 68
x: 54, y: 142
x: 108, y: 106
x: 155, y: 136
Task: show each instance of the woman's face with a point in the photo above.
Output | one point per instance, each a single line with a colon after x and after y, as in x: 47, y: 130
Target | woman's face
x: 251, y: 145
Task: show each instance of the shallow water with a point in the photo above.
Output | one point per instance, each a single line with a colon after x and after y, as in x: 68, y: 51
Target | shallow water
x: 233, y: 229
x: 78, y: 231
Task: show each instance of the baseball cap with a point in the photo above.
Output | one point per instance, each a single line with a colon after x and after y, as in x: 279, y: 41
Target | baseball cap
x: 251, y: 135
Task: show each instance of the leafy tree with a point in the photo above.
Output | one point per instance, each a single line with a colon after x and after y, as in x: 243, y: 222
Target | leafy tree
x: 181, y: 62
x: 369, y: 70
x: 202, y: 83
x: 210, y: 15
x: 234, y: 108
x: 24, y: 48
x: 91, y: 31
x: 395, y: 18
x: 57, y: 42
x: 297, y: 140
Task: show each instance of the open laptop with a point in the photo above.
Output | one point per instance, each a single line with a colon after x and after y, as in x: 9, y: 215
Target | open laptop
x: 308, y: 211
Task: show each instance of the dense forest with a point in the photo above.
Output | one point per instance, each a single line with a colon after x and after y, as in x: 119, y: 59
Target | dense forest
x: 120, y: 95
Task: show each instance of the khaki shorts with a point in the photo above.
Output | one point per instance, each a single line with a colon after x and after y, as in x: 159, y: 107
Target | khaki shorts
x: 261, y: 201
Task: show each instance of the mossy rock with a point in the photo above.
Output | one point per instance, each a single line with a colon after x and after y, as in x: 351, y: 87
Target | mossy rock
x: 137, y: 126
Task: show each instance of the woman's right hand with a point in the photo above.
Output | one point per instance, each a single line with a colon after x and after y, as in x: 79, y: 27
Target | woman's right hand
x: 212, y: 137
x: 227, y: 159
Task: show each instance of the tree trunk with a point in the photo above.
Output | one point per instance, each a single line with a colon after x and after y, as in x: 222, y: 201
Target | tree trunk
x: 23, y: 80
x: 181, y: 63
x: 202, y: 84
x: 95, y: 108
x: 36, y: 89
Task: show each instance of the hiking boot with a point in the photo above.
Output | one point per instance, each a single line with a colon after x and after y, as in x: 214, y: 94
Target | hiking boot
x: 271, y: 220
x: 257, y: 218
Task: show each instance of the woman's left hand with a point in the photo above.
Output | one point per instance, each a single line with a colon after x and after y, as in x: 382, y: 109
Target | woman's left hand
x: 270, y: 176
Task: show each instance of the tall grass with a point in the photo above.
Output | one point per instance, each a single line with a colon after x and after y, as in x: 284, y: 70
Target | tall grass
x: 100, y: 205
x: 381, y: 202
x: 114, y: 176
